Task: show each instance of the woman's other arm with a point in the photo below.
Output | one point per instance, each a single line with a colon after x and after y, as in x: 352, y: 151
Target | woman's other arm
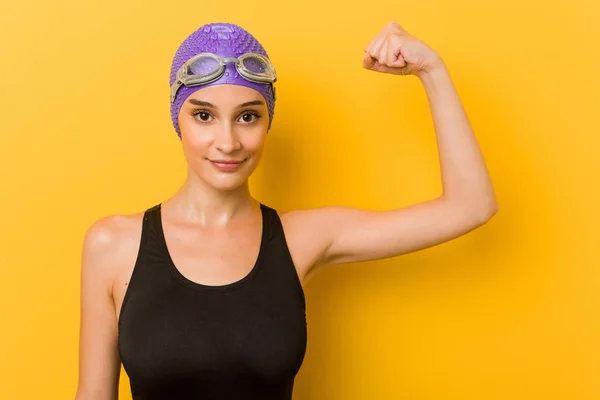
x: 99, y: 362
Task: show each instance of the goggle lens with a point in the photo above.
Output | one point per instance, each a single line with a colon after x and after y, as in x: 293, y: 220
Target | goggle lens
x: 255, y: 65
x: 203, y: 66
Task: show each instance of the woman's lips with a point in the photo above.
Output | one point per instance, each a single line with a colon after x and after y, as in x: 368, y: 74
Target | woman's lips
x: 226, y: 166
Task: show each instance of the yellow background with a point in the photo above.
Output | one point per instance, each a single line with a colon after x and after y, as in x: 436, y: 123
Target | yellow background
x: 509, y: 311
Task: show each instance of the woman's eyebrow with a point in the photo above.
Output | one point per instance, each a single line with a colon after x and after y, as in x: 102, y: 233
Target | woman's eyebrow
x: 201, y: 103
x: 251, y: 103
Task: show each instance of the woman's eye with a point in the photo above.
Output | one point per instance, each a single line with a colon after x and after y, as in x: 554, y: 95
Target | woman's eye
x: 249, y: 117
x: 202, y: 116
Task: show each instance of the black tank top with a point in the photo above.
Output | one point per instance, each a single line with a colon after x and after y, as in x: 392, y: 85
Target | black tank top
x: 179, y: 339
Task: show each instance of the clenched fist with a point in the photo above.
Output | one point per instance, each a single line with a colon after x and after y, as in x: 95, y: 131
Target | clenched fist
x: 395, y: 51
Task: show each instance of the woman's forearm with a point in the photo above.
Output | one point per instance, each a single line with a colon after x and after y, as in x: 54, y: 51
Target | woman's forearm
x: 465, y: 178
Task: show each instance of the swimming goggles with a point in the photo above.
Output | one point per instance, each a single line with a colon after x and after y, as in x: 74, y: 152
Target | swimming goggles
x: 204, y: 68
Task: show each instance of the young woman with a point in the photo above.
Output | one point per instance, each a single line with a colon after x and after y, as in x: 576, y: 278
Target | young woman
x: 200, y: 296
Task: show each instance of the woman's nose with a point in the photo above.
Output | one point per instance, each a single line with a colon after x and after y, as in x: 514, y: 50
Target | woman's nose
x: 226, y: 139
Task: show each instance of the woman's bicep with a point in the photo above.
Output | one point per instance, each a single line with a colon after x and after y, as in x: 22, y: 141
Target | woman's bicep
x: 355, y: 235
x: 99, y: 362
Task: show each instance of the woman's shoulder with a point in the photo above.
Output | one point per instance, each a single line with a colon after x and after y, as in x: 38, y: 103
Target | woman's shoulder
x: 111, y: 242
x: 111, y: 230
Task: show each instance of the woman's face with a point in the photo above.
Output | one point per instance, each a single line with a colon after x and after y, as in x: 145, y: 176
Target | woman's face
x: 223, y: 128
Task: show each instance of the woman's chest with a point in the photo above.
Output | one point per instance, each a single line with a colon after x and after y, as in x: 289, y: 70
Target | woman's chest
x: 167, y: 331
x: 213, y: 261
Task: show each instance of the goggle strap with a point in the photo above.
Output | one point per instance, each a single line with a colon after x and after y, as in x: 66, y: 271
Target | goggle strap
x: 174, y: 89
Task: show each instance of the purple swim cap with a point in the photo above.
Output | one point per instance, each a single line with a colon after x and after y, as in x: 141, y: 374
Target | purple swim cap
x: 225, y: 40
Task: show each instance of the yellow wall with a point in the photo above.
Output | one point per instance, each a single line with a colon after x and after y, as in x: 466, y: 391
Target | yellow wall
x: 509, y: 311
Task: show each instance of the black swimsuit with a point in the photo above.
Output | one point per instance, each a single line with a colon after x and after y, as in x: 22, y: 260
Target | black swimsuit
x: 179, y: 339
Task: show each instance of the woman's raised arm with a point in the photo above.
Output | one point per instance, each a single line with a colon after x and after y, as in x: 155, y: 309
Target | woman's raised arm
x: 341, y: 235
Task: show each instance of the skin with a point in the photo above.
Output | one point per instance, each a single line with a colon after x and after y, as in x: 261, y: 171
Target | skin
x: 214, y: 212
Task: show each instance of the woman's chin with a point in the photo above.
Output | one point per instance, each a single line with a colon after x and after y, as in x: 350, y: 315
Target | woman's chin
x: 228, y: 183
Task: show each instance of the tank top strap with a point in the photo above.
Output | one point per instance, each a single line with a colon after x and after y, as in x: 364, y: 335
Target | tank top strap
x: 151, y: 231
x: 146, y: 248
x: 279, y: 256
x: 274, y: 223
x: 275, y: 226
